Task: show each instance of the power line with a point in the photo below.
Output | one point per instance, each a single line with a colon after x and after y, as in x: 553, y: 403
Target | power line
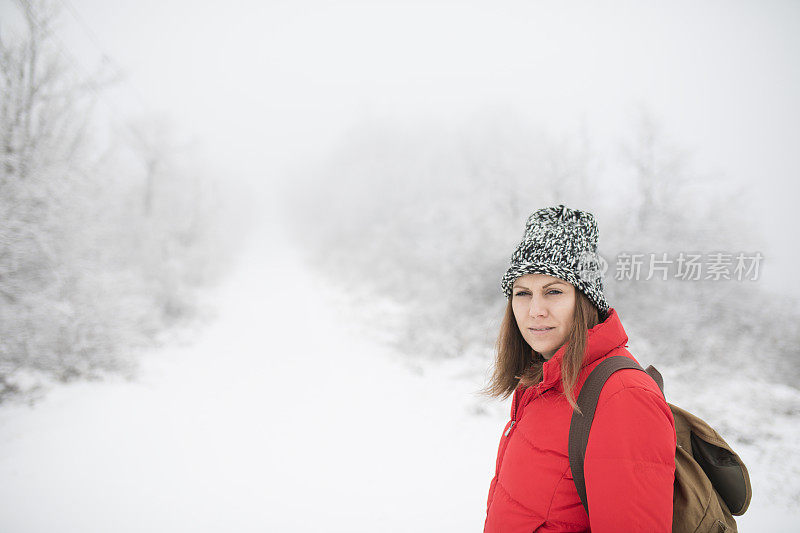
x: 62, y: 50
x: 96, y: 41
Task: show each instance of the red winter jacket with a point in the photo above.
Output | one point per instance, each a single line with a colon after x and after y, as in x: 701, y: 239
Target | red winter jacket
x: 630, y: 457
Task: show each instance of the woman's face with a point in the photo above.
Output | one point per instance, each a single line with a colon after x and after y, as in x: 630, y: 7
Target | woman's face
x: 541, y: 301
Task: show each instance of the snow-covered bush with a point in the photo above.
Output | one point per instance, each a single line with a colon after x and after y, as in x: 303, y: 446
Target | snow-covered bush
x: 425, y: 214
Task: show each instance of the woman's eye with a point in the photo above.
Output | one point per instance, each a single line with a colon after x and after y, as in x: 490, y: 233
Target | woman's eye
x: 551, y: 291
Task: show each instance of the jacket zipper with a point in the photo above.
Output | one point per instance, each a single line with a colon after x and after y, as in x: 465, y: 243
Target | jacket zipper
x: 528, y: 391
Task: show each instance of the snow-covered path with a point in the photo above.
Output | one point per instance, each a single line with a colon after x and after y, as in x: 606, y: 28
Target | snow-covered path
x: 279, y: 418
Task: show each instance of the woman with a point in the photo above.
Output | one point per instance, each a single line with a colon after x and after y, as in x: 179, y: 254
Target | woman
x: 556, y: 329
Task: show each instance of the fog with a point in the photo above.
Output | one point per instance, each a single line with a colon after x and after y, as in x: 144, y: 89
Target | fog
x: 226, y: 232
x: 263, y: 84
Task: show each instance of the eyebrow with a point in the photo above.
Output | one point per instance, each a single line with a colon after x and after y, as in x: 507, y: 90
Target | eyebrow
x: 543, y: 286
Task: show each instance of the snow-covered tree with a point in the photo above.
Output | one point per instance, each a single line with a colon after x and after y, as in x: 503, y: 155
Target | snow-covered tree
x: 102, y: 244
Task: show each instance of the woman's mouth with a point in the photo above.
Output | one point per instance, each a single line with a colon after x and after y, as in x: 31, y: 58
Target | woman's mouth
x: 540, y: 331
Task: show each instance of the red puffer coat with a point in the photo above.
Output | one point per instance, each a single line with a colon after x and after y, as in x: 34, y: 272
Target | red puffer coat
x: 630, y: 457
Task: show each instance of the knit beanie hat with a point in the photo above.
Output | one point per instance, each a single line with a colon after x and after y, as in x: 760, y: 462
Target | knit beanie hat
x: 560, y: 242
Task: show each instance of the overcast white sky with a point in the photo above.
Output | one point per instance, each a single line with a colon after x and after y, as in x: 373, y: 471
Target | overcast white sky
x: 264, y: 82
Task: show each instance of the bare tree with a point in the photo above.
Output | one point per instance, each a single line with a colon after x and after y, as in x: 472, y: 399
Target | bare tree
x: 45, y: 105
x: 45, y: 113
x: 57, y: 315
x: 152, y: 143
x: 659, y: 179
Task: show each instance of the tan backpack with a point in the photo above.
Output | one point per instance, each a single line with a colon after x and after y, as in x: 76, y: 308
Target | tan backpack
x: 711, y: 482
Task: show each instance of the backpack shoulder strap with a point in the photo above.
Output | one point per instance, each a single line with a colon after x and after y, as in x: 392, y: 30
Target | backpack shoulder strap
x: 581, y: 423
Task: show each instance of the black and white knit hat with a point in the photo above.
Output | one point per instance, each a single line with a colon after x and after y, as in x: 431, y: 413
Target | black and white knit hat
x: 560, y: 242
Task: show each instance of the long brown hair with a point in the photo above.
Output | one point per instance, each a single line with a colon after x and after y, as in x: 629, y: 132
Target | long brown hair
x: 517, y: 362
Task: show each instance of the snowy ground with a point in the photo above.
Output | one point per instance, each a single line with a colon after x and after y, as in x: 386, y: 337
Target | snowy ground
x: 278, y: 417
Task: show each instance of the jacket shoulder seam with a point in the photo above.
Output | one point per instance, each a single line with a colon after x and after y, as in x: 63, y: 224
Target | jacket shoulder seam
x: 625, y: 388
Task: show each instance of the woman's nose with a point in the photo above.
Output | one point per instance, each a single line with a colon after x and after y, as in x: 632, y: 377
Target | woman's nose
x: 537, y: 308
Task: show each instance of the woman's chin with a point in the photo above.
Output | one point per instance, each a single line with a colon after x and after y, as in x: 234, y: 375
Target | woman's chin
x: 542, y: 349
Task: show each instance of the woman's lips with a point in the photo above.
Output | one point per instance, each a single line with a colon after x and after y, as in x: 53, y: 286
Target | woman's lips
x: 540, y: 332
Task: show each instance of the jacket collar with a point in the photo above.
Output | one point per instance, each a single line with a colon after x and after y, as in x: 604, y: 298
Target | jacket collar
x: 601, y: 339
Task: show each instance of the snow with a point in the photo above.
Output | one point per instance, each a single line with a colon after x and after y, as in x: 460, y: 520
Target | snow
x: 278, y: 416
x: 276, y: 419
